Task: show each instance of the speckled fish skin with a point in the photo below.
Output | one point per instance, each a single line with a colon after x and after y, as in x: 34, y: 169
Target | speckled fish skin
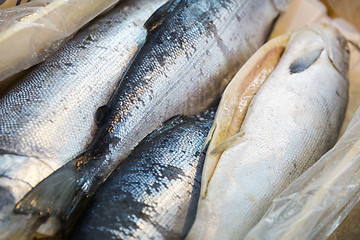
x: 49, y: 117
x: 154, y: 193
x: 292, y: 121
x: 193, y: 50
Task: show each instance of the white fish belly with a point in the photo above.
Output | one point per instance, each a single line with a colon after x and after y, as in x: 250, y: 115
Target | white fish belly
x: 292, y: 121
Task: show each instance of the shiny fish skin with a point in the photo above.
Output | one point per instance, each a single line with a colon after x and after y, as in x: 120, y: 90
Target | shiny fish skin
x: 193, y: 50
x: 49, y: 117
x: 156, y: 189
x: 292, y: 121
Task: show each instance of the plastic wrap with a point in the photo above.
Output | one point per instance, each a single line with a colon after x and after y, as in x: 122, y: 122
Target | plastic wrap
x: 317, y: 202
x: 347, y: 9
x: 314, y: 205
x: 11, y: 3
x: 32, y: 31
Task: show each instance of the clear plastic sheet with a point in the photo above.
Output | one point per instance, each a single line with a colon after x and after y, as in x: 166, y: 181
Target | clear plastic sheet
x: 32, y: 31
x: 318, y: 201
x: 347, y: 9
x: 11, y: 3
x: 314, y: 205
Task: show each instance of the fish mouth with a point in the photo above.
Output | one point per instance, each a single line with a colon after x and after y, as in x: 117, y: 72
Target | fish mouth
x: 235, y: 102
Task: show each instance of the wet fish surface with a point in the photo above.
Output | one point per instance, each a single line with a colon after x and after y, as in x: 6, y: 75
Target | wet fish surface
x: 49, y: 117
x: 153, y: 194
x: 192, y: 50
x: 293, y: 119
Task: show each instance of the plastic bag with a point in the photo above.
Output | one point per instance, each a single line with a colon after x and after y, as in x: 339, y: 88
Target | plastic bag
x: 11, y: 3
x: 32, y: 31
x: 316, y: 203
x: 347, y: 9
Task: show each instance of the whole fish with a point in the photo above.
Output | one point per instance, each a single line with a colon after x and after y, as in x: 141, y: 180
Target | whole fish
x: 294, y: 118
x: 49, y: 117
x: 193, y: 49
x: 153, y: 194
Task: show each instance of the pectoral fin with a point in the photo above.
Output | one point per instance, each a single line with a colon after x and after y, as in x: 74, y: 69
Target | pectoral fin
x: 228, y: 143
x: 334, y: 47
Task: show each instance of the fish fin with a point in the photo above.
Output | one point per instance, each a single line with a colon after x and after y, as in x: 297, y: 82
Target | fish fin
x: 58, y: 196
x: 305, y: 61
x: 228, y: 115
x: 334, y: 46
x: 209, y: 136
x: 212, y: 159
x: 158, y: 17
x: 228, y: 143
x: 51, y: 195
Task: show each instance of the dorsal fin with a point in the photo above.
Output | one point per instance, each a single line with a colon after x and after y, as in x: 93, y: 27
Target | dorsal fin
x: 158, y: 17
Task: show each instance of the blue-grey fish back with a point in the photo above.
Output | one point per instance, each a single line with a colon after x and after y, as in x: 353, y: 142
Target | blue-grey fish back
x: 153, y: 194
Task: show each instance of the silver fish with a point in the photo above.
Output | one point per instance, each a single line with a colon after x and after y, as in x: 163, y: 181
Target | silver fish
x: 49, y: 117
x: 294, y: 118
x: 193, y: 49
x: 153, y: 194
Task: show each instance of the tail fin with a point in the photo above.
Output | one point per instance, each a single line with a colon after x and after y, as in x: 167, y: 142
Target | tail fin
x: 51, y: 195
x: 57, y: 196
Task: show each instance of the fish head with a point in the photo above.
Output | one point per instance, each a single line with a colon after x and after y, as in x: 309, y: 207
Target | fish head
x: 307, y: 44
x: 336, y: 46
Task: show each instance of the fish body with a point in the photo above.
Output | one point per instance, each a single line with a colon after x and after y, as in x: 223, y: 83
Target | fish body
x: 294, y: 118
x: 49, y: 117
x: 192, y: 50
x: 30, y: 33
x: 153, y: 194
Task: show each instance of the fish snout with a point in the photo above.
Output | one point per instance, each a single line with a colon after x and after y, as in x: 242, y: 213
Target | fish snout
x: 336, y: 46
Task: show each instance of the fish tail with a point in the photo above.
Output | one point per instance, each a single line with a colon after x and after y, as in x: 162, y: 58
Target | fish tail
x: 209, y: 136
x: 56, y: 197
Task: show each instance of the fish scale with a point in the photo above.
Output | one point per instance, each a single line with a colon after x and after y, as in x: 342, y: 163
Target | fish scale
x: 182, y: 75
x: 294, y: 118
x: 153, y: 193
x: 54, y: 103
x: 48, y: 118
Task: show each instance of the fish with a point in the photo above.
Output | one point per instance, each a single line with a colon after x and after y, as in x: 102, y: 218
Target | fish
x: 279, y: 115
x: 153, y: 193
x: 192, y: 51
x: 48, y: 118
x: 30, y: 33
